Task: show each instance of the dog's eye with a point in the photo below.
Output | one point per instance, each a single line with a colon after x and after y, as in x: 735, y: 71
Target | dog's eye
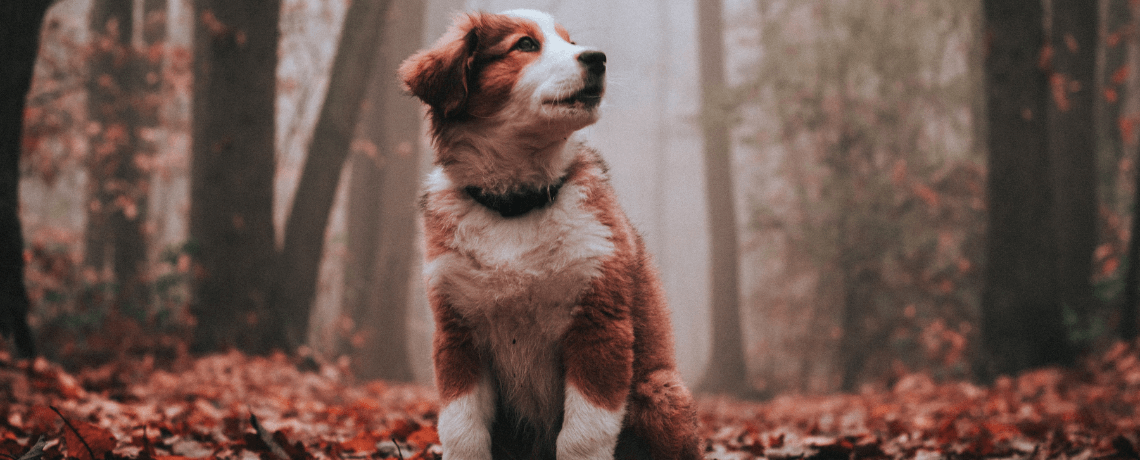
x: 526, y: 44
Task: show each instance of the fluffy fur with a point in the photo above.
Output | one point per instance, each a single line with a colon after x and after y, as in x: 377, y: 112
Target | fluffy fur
x: 552, y: 335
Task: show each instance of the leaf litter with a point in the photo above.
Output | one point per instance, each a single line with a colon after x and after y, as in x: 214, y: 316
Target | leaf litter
x: 233, y: 406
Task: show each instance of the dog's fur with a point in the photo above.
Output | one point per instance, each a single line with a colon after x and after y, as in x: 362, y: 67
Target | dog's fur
x: 552, y: 335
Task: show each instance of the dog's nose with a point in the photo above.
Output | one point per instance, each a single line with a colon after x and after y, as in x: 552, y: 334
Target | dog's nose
x: 595, y: 61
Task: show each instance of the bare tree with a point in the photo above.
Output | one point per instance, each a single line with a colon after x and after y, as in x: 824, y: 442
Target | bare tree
x: 726, y: 371
x: 19, y: 41
x: 381, y: 213
x: 1022, y: 319
x: 295, y: 279
x: 232, y: 168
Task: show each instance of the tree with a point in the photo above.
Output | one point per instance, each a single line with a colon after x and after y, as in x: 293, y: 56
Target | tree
x: 383, y: 184
x: 1131, y: 301
x: 19, y: 41
x: 295, y: 279
x: 232, y: 168
x: 1117, y: 23
x: 726, y: 371
x: 875, y: 213
x: 1120, y: 23
x: 123, y: 98
x: 1021, y: 313
x: 1072, y: 151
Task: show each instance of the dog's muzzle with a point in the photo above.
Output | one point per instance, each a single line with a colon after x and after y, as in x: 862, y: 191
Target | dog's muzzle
x: 595, y: 81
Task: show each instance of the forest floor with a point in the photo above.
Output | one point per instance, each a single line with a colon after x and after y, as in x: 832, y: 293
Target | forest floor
x: 231, y: 406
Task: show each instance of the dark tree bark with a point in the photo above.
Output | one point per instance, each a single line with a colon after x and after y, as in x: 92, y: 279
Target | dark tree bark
x: 294, y: 283
x: 232, y: 168
x: 1116, y: 21
x: 1131, y: 303
x: 1120, y: 20
x: 1072, y: 150
x: 381, y: 212
x: 726, y: 371
x: 1021, y: 318
x: 19, y: 42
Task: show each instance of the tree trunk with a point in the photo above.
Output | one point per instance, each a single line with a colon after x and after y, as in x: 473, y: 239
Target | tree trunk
x: 111, y: 36
x: 1116, y: 18
x: 1021, y: 318
x: 232, y: 168
x: 128, y: 221
x: 123, y: 98
x: 726, y: 371
x: 19, y: 42
x: 1131, y: 303
x: 1072, y: 151
x: 1128, y: 44
x: 295, y: 279
x: 111, y: 170
x: 381, y: 213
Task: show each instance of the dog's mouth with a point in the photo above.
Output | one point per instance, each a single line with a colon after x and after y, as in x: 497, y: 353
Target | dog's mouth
x: 589, y: 96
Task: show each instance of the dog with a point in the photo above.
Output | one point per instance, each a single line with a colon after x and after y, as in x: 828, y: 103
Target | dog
x: 552, y: 335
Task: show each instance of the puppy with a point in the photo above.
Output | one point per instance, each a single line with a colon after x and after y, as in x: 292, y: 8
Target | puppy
x: 552, y: 336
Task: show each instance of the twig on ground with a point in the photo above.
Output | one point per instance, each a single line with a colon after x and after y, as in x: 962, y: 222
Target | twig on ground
x: 77, y: 434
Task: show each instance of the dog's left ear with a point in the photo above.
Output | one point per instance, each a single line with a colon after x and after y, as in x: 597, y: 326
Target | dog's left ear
x: 438, y: 76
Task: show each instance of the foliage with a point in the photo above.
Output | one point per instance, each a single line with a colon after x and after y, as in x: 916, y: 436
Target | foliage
x: 77, y: 314
x: 865, y: 108
x: 54, y: 138
x: 75, y: 304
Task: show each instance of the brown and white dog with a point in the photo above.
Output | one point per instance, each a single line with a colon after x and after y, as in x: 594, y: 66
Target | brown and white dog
x: 552, y: 335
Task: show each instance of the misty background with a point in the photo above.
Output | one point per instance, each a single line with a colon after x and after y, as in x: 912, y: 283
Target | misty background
x: 858, y: 159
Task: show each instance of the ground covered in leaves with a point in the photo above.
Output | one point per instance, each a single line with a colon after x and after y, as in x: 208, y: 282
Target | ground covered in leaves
x: 231, y: 406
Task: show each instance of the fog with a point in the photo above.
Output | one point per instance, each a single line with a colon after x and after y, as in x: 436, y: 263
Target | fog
x: 858, y: 152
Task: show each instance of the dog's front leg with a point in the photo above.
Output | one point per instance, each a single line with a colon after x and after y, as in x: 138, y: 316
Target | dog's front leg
x: 598, y: 357
x: 465, y: 424
x: 467, y: 398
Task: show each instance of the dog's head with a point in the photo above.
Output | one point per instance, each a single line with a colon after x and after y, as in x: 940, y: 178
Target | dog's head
x: 519, y: 67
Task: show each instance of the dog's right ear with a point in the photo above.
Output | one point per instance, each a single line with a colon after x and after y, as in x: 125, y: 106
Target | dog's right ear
x: 438, y: 75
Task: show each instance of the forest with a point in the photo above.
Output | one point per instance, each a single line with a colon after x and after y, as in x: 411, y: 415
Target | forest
x: 886, y: 229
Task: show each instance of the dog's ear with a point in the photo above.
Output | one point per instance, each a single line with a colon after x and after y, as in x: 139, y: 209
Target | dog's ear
x: 438, y: 75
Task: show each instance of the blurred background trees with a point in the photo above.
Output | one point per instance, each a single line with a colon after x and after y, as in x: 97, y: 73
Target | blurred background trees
x: 232, y: 172
x: 892, y: 188
x: 380, y: 228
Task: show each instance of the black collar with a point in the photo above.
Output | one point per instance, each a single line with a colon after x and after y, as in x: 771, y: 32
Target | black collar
x: 518, y: 202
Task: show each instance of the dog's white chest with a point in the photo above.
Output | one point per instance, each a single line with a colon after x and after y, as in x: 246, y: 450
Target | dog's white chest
x: 537, y: 263
x: 515, y: 281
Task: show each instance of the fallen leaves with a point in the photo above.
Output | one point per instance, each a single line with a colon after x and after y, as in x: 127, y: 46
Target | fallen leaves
x: 231, y: 406
x: 1091, y: 413
x: 96, y: 441
x: 221, y: 406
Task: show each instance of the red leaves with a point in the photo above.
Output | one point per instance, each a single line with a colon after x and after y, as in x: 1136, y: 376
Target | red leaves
x: 225, y: 406
x: 1047, y: 413
x: 86, y: 441
x: 423, y: 437
x: 205, y: 409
